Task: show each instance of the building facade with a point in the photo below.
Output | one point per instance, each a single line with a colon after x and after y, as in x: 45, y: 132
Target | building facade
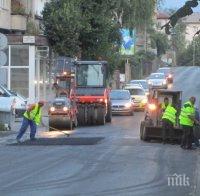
x: 192, y: 24
x: 5, y: 15
x: 27, y: 68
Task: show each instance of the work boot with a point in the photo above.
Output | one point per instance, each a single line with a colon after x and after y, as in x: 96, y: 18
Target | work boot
x: 191, y: 148
x: 164, y: 142
x: 18, y: 141
x: 183, y: 147
x: 172, y: 142
x: 33, y: 139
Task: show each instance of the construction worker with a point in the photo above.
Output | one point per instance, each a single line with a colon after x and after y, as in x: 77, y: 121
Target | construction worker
x: 187, y: 118
x: 168, y: 120
x: 32, y: 118
x: 165, y: 104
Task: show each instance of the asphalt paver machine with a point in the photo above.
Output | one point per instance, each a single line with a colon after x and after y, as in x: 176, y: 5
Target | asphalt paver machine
x: 63, y: 110
x: 151, y: 126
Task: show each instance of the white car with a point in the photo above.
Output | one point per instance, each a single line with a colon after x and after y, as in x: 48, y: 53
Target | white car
x: 10, y: 101
x: 143, y: 83
x: 138, y: 96
x: 157, y: 80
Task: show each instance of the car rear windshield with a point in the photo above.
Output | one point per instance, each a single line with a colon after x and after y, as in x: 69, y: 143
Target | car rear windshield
x: 143, y: 83
x: 60, y: 103
x: 136, y: 91
x: 157, y: 76
x: 165, y: 71
x: 120, y: 95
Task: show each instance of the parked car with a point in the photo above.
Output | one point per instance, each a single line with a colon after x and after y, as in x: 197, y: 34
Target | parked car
x: 143, y: 83
x: 12, y: 101
x: 121, y: 102
x: 157, y: 80
x: 62, y: 114
x: 138, y: 96
x: 168, y: 73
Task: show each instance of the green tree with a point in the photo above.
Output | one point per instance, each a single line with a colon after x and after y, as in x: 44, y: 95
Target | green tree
x: 185, y: 58
x: 62, y: 25
x: 160, y: 42
x: 134, y: 13
x: 103, y: 35
x: 178, y: 37
x: 83, y: 27
x: 90, y: 29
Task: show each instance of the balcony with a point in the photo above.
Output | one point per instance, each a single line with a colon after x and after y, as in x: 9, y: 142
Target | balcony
x: 18, y: 22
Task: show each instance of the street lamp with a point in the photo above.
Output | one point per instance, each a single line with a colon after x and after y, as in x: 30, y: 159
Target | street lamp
x: 194, y: 47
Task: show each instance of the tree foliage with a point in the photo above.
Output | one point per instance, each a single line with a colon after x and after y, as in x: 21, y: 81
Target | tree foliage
x: 185, y: 58
x: 92, y: 27
x: 83, y: 27
x: 178, y: 38
x: 134, y: 13
x: 160, y: 42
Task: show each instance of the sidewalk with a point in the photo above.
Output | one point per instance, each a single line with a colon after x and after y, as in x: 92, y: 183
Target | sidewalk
x: 9, y: 136
x: 14, y: 129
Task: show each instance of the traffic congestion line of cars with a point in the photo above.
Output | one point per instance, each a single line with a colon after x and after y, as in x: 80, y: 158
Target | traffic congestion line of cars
x: 139, y: 91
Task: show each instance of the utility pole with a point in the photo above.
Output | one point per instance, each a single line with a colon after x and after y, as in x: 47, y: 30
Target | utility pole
x: 145, y: 37
x: 194, y: 47
x: 33, y: 9
x: 194, y: 51
x: 174, y: 48
x: 127, y: 71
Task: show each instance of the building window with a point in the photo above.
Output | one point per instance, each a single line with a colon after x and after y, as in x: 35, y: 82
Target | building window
x: 20, y: 80
x: 4, y: 76
x: 4, y: 4
x: 6, y: 52
x: 19, y: 55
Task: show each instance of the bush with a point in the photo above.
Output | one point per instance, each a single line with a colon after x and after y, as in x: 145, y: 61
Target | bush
x: 17, y: 8
x: 32, y: 28
x: 2, y: 127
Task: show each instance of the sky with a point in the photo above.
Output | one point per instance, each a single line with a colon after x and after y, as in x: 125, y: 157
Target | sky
x: 175, y: 4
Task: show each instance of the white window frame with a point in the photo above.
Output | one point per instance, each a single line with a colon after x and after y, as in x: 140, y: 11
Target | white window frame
x: 4, y: 4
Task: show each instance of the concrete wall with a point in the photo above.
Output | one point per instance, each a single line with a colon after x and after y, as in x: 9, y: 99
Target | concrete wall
x: 18, y: 22
x: 34, y: 6
x: 5, y: 18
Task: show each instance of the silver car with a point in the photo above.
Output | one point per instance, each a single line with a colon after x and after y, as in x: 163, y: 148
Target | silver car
x: 157, y: 80
x: 143, y: 83
x: 121, y: 102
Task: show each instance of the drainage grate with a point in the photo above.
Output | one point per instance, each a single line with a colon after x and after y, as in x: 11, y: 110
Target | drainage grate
x: 61, y: 141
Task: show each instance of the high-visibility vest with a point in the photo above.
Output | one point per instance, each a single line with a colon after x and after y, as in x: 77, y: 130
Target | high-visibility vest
x: 35, y: 114
x: 163, y: 106
x: 170, y: 114
x: 186, y: 111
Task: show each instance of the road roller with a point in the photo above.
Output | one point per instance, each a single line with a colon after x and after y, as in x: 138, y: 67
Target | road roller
x: 63, y: 110
x: 62, y: 114
x: 92, y: 94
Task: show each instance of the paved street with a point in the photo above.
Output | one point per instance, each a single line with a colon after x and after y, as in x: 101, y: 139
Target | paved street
x: 117, y: 164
